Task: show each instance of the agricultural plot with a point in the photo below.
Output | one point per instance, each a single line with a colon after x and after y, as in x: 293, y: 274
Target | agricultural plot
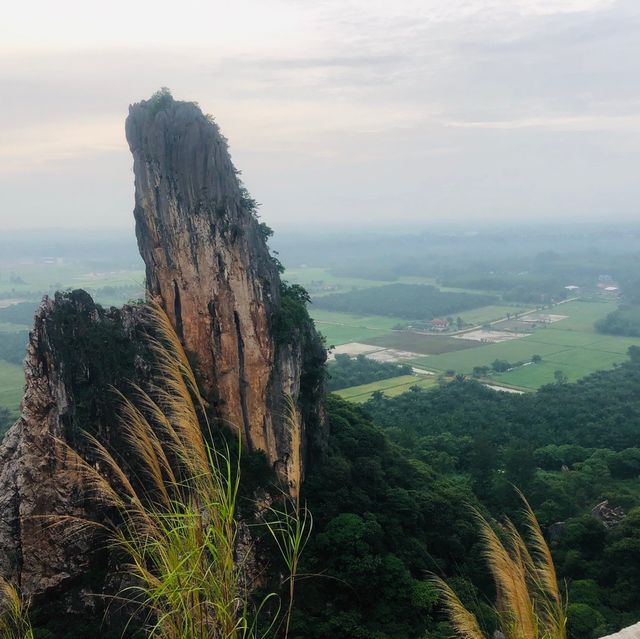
x: 489, y: 337
x: 390, y: 387
x: 421, y: 342
x: 376, y: 353
x: 614, y: 344
x: 569, y: 345
x: 484, y: 354
x: 320, y: 281
x: 11, y: 383
x: 582, y: 315
x: 343, y: 328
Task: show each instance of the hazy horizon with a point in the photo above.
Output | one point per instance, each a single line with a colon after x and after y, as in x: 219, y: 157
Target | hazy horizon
x: 350, y: 114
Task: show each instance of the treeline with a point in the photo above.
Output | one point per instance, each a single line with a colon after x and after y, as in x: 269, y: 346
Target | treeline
x: 623, y: 321
x: 407, y: 301
x: 528, y: 289
x: 345, y: 371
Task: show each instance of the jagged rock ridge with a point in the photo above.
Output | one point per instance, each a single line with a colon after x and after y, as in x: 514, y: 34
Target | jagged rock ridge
x: 208, y: 265
x: 76, y: 353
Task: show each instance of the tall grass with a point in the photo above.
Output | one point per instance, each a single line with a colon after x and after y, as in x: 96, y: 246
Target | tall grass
x: 176, y: 498
x: 529, y: 604
x: 14, y: 618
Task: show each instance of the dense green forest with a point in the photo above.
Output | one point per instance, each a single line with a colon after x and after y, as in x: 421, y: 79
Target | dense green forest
x: 569, y: 447
x: 623, y: 321
x: 391, y: 499
x: 525, y: 288
x: 408, y: 301
x: 384, y: 520
x: 346, y: 371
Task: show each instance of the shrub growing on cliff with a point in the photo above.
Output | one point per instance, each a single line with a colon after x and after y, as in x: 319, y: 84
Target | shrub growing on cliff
x: 292, y: 315
x: 160, y: 100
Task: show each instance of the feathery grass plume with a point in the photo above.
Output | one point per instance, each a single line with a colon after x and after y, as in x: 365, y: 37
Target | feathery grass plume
x: 464, y: 622
x: 528, y: 600
x: 176, y: 498
x: 14, y: 618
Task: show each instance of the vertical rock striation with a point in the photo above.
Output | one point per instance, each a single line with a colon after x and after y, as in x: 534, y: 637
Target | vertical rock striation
x: 208, y: 264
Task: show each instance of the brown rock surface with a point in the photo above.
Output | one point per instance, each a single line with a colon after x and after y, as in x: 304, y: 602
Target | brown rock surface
x: 208, y: 264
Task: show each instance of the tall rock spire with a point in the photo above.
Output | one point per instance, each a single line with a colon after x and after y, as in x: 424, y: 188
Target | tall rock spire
x: 208, y: 265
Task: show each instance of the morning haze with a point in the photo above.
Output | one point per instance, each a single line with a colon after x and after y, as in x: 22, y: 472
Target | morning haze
x: 338, y: 113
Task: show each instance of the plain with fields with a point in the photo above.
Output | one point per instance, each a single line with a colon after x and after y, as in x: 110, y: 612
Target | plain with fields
x: 389, y: 387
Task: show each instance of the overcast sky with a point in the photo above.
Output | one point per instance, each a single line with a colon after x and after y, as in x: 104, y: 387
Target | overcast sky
x: 362, y: 111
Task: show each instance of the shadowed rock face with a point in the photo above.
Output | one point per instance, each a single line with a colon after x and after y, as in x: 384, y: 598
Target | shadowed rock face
x: 208, y: 265
x: 77, y: 353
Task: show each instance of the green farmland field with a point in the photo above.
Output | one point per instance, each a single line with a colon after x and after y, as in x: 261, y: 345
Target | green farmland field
x: 342, y: 328
x: 421, y: 343
x: 390, y: 387
x: 570, y: 345
x: 11, y: 383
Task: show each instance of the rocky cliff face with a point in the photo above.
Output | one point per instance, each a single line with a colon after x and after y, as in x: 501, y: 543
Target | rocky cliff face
x: 208, y: 265
x: 77, y: 353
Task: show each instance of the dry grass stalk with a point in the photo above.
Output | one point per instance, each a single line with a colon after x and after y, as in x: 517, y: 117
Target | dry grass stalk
x: 529, y: 604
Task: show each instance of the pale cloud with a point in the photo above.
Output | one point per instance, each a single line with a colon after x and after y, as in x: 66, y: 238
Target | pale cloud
x: 418, y: 109
x: 622, y: 124
x: 23, y: 150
